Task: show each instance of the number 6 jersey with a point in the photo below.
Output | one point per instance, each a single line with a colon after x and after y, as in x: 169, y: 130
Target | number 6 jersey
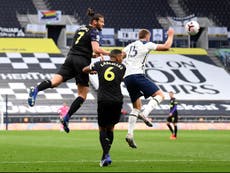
x: 110, y: 75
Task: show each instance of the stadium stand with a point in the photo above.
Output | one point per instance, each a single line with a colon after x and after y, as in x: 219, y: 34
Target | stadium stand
x: 10, y: 8
x: 141, y: 14
x: 218, y: 11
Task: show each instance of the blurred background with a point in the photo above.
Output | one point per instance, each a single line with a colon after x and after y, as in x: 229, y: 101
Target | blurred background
x: 35, y: 36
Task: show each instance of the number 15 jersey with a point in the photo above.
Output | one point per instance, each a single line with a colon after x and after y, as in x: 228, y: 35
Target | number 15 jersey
x: 136, y: 54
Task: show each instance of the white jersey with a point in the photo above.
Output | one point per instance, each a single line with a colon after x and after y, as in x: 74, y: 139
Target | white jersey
x: 136, y: 54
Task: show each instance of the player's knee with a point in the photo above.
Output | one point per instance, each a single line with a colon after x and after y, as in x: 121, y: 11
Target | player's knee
x: 158, y: 98
x: 56, y: 80
x: 161, y: 94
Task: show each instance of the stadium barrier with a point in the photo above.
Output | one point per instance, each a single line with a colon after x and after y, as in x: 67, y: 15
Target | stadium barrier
x: 119, y: 126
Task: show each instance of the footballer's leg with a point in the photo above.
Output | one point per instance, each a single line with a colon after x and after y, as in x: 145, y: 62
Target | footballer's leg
x: 65, y: 124
x: 145, y: 119
x: 152, y: 104
x: 77, y: 103
x: 130, y: 140
x: 33, y: 91
x: 131, y: 125
x: 169, y: 120
x: 73, y: 108
x: 175, y: 127
x: 54, y: 82
x: 105, y: 140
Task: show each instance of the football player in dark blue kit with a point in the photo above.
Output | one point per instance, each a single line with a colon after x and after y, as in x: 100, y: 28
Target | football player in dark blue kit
x: 110, y: 99
x: 173, y: 116
x: 85, y: 44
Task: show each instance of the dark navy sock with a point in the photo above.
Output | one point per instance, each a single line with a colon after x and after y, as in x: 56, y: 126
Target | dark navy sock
x: 110, y: 136
x: 66, y: 118
x: 75, y: 106
x: 170, y: 128
x: 44, y: 85
x: 105, y: 143
x: 175, y: 130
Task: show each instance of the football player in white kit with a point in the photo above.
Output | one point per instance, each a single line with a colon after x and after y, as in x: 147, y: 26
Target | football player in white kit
x: 136, y: 82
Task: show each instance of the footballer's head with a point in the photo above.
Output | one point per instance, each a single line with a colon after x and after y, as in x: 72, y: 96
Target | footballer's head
x: 171, y: 94
x: 144, y: 34
x: 96, y: 20
x: 116, y: 55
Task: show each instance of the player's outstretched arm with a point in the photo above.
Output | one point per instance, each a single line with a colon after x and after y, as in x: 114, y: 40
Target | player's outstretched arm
x: 98, y: 50
x: 168, y: 43
x: 88, y: 69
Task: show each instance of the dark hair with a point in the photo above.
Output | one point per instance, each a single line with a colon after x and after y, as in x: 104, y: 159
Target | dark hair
x: 91, y: 13
x: 114, y: 53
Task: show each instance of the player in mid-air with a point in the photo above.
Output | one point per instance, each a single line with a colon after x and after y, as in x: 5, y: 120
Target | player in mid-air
x: 110, y: 99
x: 136, y: 82
x: 173, y: 116
x: 85, y: 43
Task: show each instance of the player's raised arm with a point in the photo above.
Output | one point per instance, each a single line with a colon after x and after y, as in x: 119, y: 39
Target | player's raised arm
x: 168, y: 43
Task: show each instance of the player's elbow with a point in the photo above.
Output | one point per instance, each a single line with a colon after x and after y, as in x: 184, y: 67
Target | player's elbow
x: 96, y: 50
x: 166, y: 46
x: 86, y: 70
x: 163, y: 47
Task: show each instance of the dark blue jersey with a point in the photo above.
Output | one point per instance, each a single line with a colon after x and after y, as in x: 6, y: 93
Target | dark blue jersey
x: 110, y: 75
x: 173, y: 106
x: 82, y: 41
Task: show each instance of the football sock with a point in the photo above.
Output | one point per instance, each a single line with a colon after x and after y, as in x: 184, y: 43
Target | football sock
x: 75, y: 106
x: 131, y: 125
x: 44, y: 85
x: 105, y: 143
x: 110, y: 136
x: 175, y: 130
x: 154, y: 101
x: 170, y: 128
x: 135, y: 112
x: 66, y: 117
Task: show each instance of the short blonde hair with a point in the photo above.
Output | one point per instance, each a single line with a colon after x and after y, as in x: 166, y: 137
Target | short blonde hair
x: 143, y: 33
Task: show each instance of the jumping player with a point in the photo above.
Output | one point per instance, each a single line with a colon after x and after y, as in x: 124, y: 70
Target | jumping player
x: 85, y: 43
x: 136, y: 82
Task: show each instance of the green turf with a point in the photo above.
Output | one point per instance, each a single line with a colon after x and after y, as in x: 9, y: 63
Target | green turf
x: 80, y: 151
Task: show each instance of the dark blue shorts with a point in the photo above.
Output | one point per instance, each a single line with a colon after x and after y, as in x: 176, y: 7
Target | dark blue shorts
x: 72, y: 68
x: 109, y: 113
x: 139, y: 85
x: 173, y: 119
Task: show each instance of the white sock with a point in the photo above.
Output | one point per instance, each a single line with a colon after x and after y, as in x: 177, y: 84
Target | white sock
x: 154, y: 101
x: 135, y: 112
x: 131, y: 125
x: 132, y: 120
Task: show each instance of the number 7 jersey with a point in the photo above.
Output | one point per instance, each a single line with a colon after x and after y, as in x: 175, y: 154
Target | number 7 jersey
x: 136, y: 54
x: 83, y: 37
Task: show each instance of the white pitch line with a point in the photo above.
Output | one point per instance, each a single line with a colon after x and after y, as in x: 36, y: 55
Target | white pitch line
x: 95, y: 161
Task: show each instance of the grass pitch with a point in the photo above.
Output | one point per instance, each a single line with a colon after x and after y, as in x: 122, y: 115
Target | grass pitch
x: 80, y: 151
